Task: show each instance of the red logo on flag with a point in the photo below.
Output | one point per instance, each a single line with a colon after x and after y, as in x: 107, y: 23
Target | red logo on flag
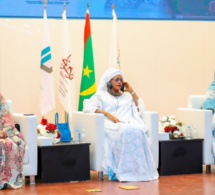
x: 65, y: 65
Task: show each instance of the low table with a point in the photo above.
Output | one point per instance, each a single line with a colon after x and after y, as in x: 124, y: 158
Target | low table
x: 180, y: 157
x: 64, y: 162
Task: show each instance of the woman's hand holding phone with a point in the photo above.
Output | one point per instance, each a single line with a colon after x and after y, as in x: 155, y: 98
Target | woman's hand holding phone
x: 127, y: 87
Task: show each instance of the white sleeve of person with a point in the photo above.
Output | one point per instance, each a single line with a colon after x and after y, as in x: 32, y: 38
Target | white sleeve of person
x: 90, y: 105
x: 209, y: 102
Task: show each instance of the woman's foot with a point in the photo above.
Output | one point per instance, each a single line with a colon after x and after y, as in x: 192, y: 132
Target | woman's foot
x: 111, y: 175
x: 4, y: 186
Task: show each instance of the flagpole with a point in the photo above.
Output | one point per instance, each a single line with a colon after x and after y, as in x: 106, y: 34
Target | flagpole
x: 64, y: 5
x: 118, y: 51
x: 64, y: 8
x: 66, y: 82
x: 44, y: 4
x: 114, y: 52
x: 113, y: 6
x: 47, y: 93
x: 88, y: 82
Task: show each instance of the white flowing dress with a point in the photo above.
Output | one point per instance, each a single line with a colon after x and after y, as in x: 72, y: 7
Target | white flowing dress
x: 127, y: 151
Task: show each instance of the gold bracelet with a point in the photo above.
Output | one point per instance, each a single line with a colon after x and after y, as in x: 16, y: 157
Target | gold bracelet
x: 133, y: 93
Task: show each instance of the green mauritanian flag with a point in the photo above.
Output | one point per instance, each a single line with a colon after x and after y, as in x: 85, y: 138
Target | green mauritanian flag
x: 88, y: 82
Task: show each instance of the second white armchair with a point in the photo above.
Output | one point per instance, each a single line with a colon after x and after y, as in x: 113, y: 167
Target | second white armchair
x: 28, y: 128
x: 195, y: 115
x: 95, y: 133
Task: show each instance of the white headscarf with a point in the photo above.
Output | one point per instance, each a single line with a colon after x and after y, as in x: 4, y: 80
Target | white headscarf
x: 107, y: 76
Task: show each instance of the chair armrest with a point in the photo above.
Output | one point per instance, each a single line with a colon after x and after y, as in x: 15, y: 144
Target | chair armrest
x: 93, y: 124
x: 28, y: 127
x: 151, y: 119
x: 203, y: 121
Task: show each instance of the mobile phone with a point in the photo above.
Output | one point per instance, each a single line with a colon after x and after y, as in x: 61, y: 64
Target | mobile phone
x: 123, y: 88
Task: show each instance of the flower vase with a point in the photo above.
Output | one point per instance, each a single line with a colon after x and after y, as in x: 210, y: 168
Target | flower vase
x: 171, y: 135
x: 50, y: 135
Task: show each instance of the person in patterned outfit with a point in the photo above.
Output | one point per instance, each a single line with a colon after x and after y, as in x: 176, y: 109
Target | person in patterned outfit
x: 12, y: 149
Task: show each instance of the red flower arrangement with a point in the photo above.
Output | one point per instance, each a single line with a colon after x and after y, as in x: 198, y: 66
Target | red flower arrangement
x: 169, y: 125
x: 58, y: 135
x: 44, y: 121
x: 49, y: 130
x: 171, y: 129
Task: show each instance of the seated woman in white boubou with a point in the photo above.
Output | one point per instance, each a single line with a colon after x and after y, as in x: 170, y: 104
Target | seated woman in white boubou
x: 127, y: 153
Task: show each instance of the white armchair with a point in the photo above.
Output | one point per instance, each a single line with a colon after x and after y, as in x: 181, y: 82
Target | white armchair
x: 202, y: 119
x: 28, y: 128
x: 94, y: 132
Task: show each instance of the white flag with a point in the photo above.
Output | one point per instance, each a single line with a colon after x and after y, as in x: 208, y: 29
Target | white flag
x: 114, y: 58
x: 66, y: 75
x: 47, y: 95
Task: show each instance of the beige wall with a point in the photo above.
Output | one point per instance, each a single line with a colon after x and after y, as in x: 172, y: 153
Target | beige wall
x: 165, y: 61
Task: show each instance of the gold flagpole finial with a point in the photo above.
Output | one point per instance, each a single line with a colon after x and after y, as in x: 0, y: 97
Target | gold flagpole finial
x: 45, y: 2
x: 64, y: 4
x: 88, y: 5
x: 113, y: 6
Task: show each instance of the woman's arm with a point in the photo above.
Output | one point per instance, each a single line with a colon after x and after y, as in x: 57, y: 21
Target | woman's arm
x: 108, y: 115
x: 135, y: 97
x: 138, y: 103
x: 94, y: 104
x: 132, y: 92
